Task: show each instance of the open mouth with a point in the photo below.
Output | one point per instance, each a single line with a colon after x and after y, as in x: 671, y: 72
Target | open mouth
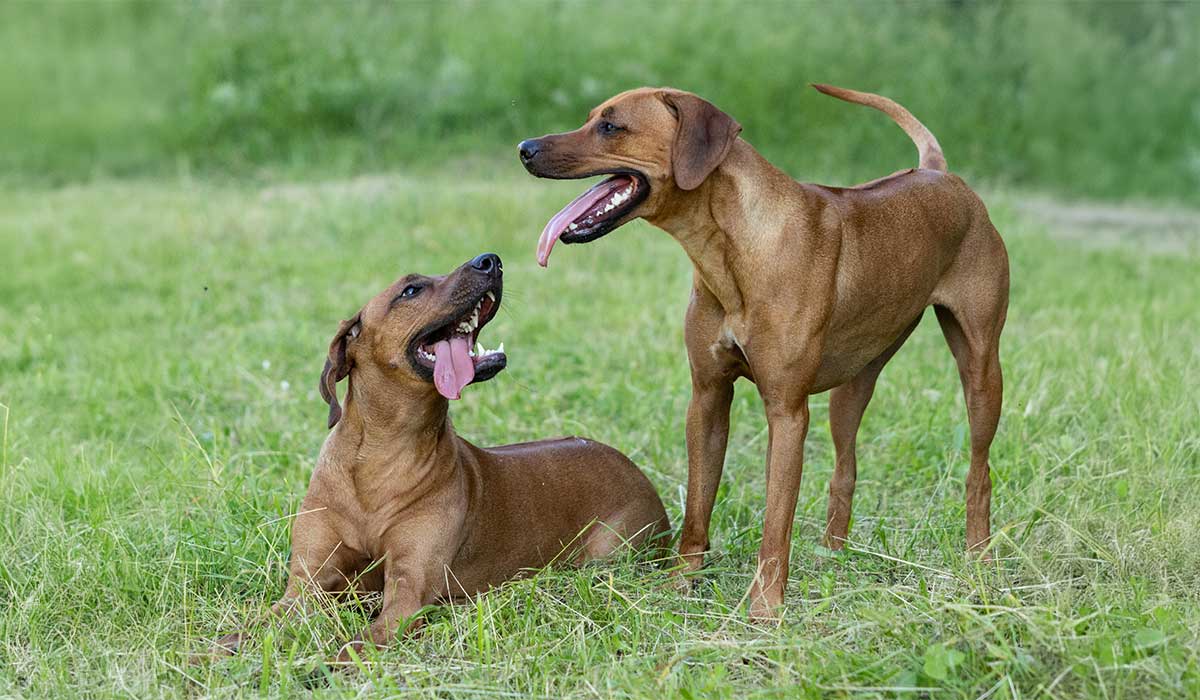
x: 450, y: 353
x: 594, y: 213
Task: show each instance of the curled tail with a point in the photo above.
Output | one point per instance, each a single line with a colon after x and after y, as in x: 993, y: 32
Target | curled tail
x: 930, y: 151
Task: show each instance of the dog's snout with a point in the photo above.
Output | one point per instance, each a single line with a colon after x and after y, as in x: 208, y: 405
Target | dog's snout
x: 488, y: 263
x: 529, y: 149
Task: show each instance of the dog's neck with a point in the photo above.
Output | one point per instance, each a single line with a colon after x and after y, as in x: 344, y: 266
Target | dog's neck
x: 720, y: 230
x: 389, y: 439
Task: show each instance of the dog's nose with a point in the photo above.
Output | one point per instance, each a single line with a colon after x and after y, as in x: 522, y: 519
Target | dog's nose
x: 488, y: 263
x: 528, y: 149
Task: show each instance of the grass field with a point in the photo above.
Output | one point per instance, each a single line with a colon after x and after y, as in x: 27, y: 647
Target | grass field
x: 160, y: 344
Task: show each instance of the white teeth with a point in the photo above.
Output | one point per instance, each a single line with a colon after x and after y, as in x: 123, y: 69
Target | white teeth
x: 491, y: 297
x: 617, y: 199
x: 472, y: 324
x: 481, y: 352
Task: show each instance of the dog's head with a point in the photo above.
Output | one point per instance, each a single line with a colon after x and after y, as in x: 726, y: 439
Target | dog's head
x: 422, y: 334
x: 652, y: 142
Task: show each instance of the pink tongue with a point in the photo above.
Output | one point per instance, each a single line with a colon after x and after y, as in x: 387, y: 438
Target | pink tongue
x: 558, y: 224
x: 453, y: 369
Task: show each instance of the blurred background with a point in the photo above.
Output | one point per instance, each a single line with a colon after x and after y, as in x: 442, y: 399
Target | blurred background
x: 1084, y: 99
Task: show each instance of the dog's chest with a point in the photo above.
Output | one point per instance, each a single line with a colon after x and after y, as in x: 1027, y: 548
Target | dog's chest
x: 360, y: 518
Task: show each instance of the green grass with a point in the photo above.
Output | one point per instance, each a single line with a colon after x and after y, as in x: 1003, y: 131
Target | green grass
x: 1095, y: 99
x: 159, y: 351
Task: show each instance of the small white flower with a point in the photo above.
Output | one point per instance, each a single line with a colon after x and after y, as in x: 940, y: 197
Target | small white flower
x: 285, y: 385
x: 266, y: 364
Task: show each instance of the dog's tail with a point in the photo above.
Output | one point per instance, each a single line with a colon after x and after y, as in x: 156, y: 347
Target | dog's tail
x: 927, y: 146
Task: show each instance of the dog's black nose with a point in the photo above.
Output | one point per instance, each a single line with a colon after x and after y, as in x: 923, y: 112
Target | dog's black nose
x: 528, y: 149
x: 488, y: 263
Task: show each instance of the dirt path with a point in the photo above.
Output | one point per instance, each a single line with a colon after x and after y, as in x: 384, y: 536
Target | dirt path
x: 1162, y: 230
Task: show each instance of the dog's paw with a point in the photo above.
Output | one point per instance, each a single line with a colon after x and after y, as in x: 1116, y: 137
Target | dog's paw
x: 980, y: 552
x: 765, y: 614
x: 766, y: 603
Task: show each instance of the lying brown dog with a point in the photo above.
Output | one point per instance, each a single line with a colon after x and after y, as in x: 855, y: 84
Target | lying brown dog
x: 400, y: 504
x: 801, y: 288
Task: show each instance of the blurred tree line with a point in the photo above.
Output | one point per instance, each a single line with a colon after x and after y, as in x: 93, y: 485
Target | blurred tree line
x: 1094, y: 99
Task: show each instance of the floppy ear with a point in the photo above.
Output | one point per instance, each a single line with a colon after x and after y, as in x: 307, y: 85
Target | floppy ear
x: 337, y: 366
x: 702, y: 139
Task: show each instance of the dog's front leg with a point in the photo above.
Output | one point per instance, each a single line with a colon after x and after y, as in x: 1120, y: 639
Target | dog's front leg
x: 707, y: 439
x: 787, y: 426
x: 320, y: 565
x: 713, y: 374
x: 403, y: 593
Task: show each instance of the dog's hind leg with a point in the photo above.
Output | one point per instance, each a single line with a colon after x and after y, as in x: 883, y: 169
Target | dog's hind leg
x: 971, y: 302
x: 976, y: 347
x: 846, y: 406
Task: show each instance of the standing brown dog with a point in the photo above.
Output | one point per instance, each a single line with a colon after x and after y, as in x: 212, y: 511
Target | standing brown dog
x: 400, y: 504
x: 801, y: 288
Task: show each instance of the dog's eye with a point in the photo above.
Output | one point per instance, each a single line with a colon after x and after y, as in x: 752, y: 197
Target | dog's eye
x: 607, y: 128
x: 408, y: 292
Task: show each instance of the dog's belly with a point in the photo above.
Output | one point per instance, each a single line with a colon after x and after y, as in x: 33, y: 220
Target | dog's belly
x: 866, y: 322
x: 845, y: 355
